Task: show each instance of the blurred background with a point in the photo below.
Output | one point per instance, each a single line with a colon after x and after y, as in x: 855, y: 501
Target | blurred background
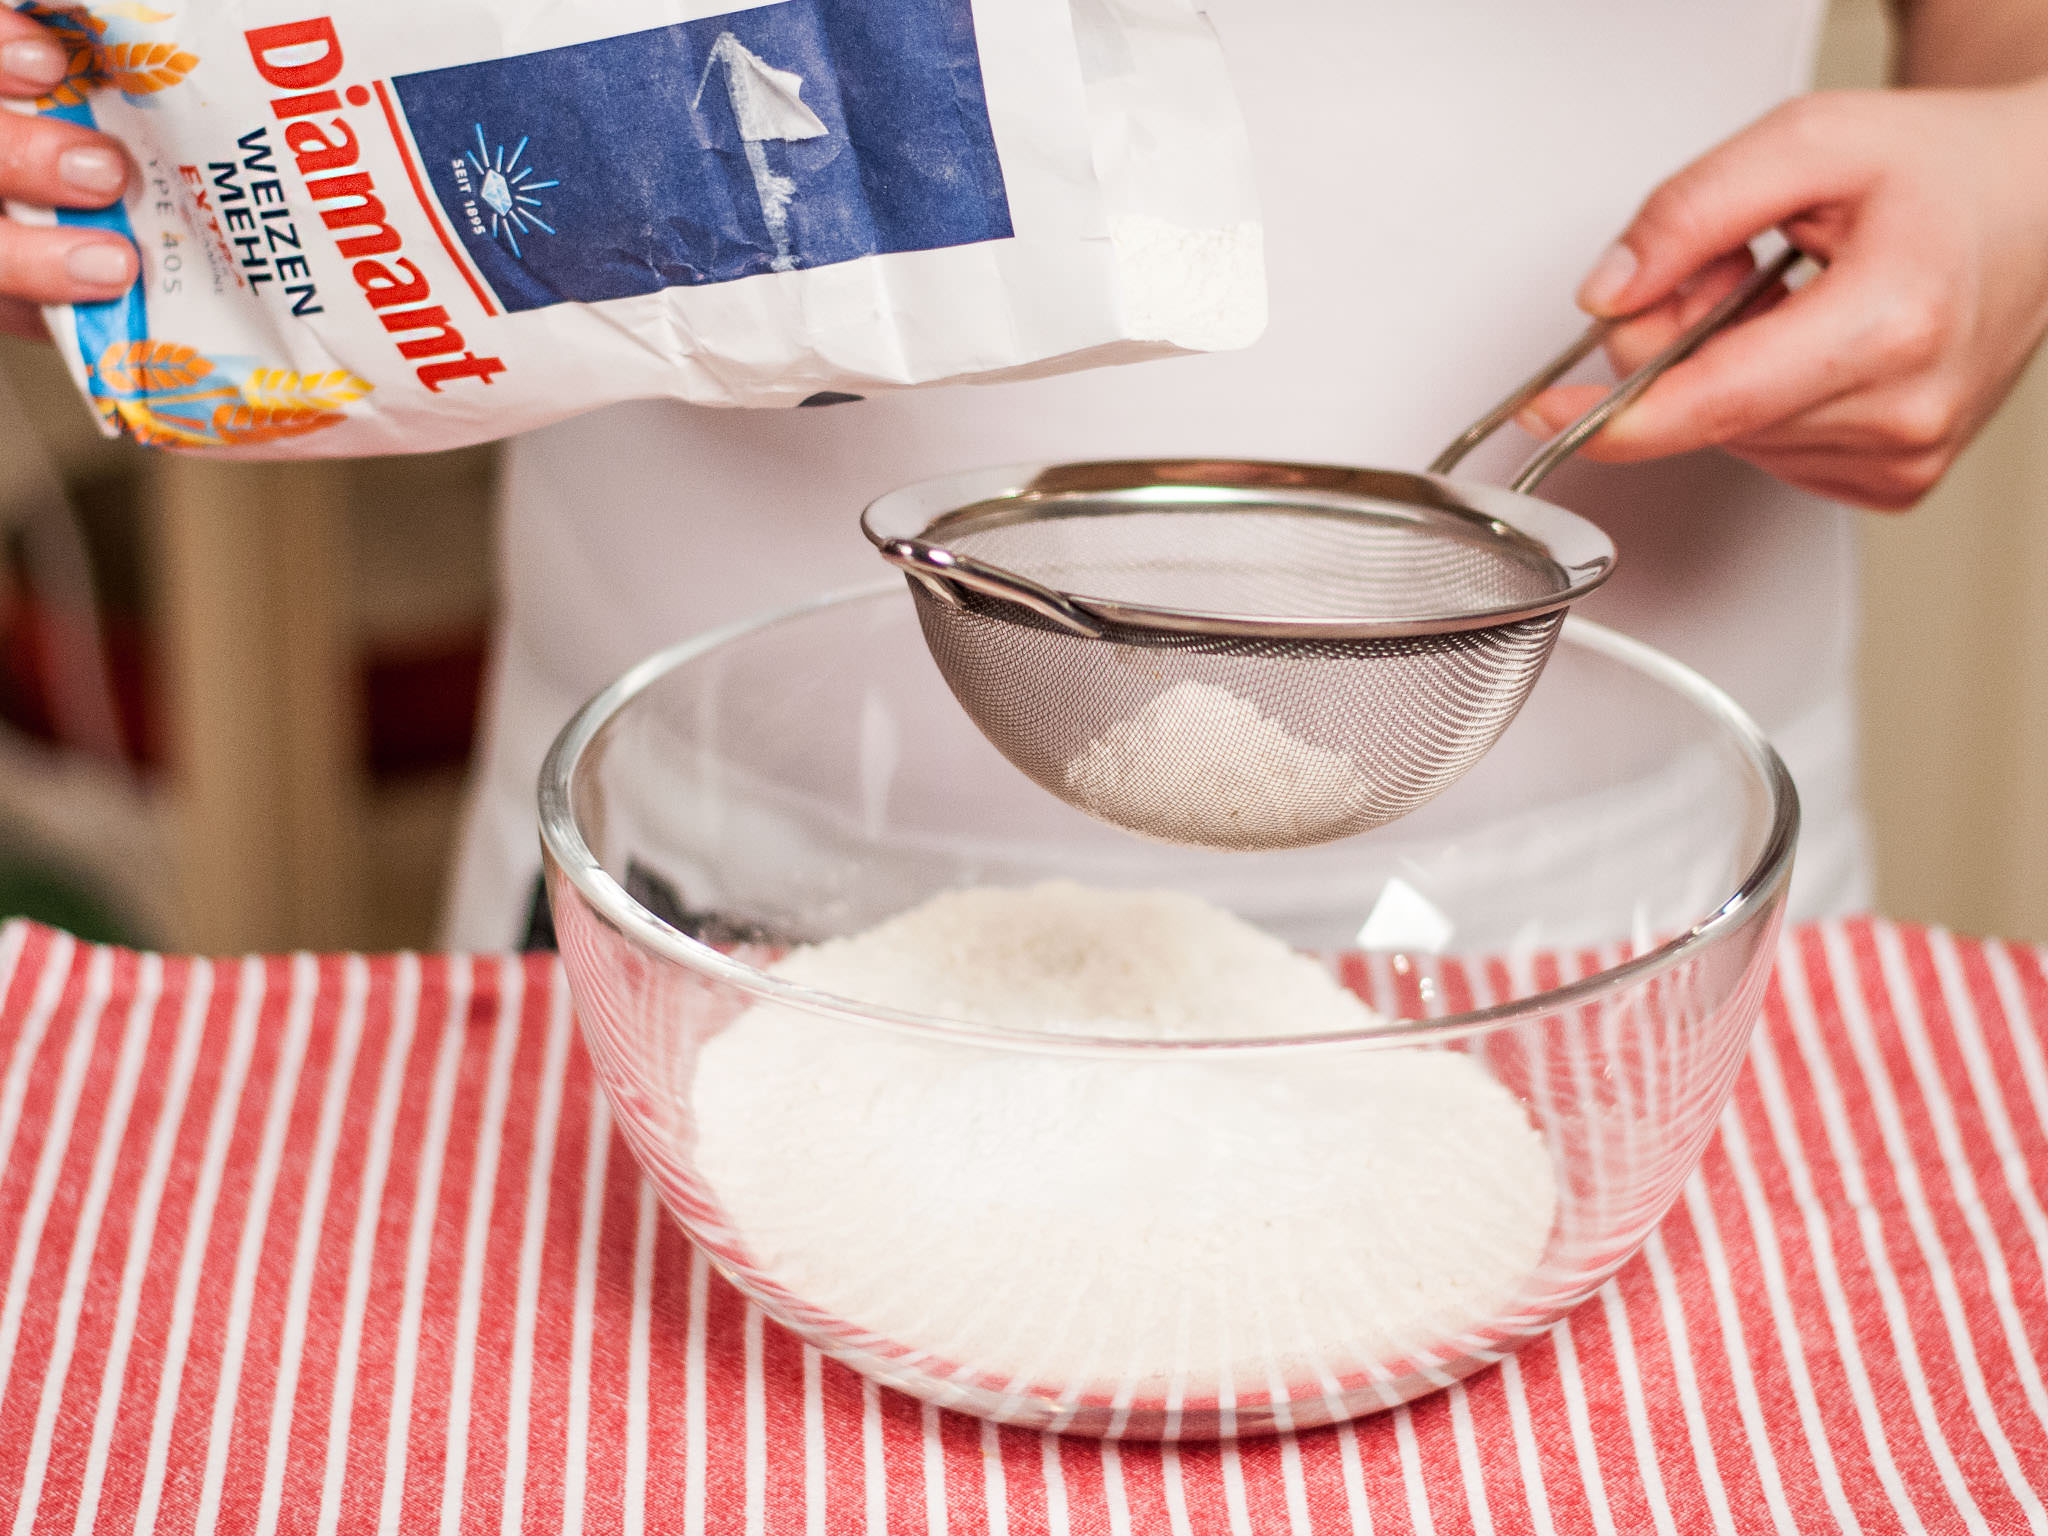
x: 236, y: 700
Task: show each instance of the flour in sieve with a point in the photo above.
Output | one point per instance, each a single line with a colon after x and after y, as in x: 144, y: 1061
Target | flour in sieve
x: 1111, y: 1225
x: 1199, y: 288
x: 1198, y: 761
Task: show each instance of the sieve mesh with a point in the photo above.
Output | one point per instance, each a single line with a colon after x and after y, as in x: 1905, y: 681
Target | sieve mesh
x: 1234, y: 742
x: 1251, y: 560
x: 1237, y: 654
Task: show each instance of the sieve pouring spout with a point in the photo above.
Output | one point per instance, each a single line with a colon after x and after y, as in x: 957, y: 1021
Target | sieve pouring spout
x: 939, y: 571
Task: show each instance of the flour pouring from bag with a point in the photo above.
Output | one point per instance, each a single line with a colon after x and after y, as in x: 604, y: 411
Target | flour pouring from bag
x: 392, y: 227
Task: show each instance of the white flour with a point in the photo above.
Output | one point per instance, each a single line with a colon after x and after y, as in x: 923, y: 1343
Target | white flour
x: 1198, y: 758
x: 1116, y: 1225
x: 1203, y: 288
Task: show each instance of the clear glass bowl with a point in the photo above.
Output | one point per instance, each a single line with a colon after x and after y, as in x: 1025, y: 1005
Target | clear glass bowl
x: 1586, y: 919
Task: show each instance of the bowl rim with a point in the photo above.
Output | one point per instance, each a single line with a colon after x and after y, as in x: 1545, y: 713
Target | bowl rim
x: 569, y: 855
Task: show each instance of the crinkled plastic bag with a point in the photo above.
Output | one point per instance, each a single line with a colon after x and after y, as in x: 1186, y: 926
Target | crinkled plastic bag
x: 397, y: 225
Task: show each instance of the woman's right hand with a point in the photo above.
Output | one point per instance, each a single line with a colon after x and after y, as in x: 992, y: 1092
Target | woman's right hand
x: 53, y: 164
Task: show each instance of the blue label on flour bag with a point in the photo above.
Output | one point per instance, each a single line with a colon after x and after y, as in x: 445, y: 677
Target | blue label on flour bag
x: 791, y: 135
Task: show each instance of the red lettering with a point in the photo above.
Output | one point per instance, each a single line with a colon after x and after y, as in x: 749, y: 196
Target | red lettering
x: 301, y: 57
x: 316, y: 152
x: 366, y: 212
x: 384, y: 288
x: 301, y: 106
x: 470, y: 366
x: 446, y: 338
x: 305, y: 74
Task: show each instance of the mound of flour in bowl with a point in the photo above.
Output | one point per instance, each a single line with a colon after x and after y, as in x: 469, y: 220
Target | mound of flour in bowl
x: 1115, y: 1225
x: 1197, y: 759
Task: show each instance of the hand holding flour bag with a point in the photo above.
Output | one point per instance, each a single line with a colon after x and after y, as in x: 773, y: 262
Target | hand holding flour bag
x: 373, y: 226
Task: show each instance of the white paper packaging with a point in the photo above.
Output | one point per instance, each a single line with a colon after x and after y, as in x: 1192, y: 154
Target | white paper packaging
x: 396, y: 225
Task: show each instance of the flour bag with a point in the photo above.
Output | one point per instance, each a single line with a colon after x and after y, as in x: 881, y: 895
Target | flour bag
x: 395, y: 225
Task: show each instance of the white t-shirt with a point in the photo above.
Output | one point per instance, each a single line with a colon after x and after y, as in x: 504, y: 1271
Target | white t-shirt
x: 1435, y: 181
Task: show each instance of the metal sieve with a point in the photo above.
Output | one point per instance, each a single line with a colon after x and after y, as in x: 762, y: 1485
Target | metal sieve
x: 1253, y: 655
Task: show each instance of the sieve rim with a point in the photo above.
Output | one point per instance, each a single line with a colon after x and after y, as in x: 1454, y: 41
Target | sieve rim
x: 908, y: 526
x: 567, y: 856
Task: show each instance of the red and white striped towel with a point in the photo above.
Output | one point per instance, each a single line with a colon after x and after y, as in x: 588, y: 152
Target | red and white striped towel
x: 344, y: 1244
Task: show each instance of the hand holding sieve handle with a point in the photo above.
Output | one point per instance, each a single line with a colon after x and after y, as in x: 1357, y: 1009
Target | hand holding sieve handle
x: 1624, y: 394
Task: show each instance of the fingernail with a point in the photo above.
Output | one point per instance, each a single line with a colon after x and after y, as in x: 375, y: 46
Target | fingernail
x: 37, y: 62
x: 93, y: 169
x: 101, y: 264
x: 1609, y: 279
x: 1532, y: 423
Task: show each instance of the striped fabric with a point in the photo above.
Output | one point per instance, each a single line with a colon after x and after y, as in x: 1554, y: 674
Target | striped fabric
x: 342, y: 1244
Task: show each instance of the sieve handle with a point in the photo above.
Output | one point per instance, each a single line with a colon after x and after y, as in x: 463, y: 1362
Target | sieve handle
x: 939, y: 570
x: 1624, y: 394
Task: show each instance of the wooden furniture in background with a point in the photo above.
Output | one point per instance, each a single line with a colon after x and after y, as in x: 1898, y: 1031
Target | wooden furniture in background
x: 261, y: 667
x: 1954, y: 687
x: 275, y: 590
